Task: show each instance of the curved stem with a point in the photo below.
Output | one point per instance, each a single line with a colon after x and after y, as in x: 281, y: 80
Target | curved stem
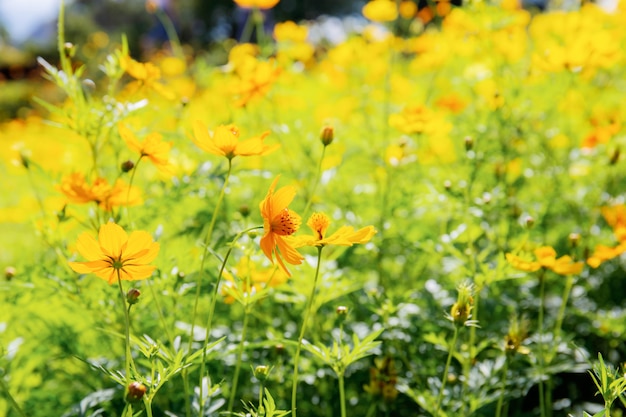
x: 444, y: 378
x: 212, y: 311
x: 307, y: 313
x: 130, y: 186
x: 315, y: 184
x: 207, y: 242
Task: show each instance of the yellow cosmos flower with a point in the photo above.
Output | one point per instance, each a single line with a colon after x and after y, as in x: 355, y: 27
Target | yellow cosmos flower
x: 256, y: 79
x: 147, y: 75
x: 260, y: 4
x: 78, y: 191
x: 279, y: 223
x: 546, y: 258
x: 152, y: 147
x: 380, y: 11
x: 116, y: 255
x: 344, y: 236
x: 225, y: 141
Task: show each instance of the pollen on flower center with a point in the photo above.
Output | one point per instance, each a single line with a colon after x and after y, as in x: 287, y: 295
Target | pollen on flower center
x: 319, y: 222
x: 286, y: 223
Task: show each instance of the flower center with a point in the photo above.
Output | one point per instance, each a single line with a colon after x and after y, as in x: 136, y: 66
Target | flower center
x: 319, y: 222
x: 285, y: 223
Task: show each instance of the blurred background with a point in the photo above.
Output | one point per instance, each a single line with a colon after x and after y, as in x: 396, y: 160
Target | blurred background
x: 28, y: 30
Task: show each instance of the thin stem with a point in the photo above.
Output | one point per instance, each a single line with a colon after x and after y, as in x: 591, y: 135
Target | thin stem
x: 247, y: 29
x: 307, y: 313
x: 444, y: 378
x: 561, y: 314
x: 502, y: 387
x: 315, y: 184
x: 244, y: 329
x: 342, y: 395
x: 207, y: 241
x: 261, y: 389
x: 542, y: 290
x: 161, y: 316
x: 127, y: 327
x: 212, y: 311
x: 130, y: 186
x: 12, y: 401
x: 170, y: 30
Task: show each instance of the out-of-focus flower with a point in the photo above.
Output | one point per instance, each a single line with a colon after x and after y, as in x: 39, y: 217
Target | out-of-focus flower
x: 224, y: 141
x: 147, y: 75
x: 381, y: 10
x: 344, y: 236
x: 615, y: 216
x: 249, y: 280
x: 256, y: 79
x: 292, y: 42
x: 407, y: 9
x: 115, y: 255
x: 546, y: 258
x: 78, y: 191
x: 260, y: 4
x: 383, y: 379
x: 151, y: 147
x: 279, y: 224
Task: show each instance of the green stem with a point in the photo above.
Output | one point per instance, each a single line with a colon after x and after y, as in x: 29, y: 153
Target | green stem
x: 342, y: 395
x: 561, y: 314
x: 170, y: 30
x: 502, y: 387
x: 261, y: 389
x: 212, y: 311
x: 315, y: 184
x: 207, y: 241
x: 307, y: 313
x: 444, y: 378
x: 130, y: 186
x: 12, y: 401
x: 127, y: 328
x: 244, y: 329
x: 542, y: 290
x: 161, y: 316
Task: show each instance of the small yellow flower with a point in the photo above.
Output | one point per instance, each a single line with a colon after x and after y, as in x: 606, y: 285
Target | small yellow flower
x: 147, y: 75
x: 152, y: 147
x: 78, y: 191
x: 279, y: 223
x: 380, y: 11
x: 261, y: 4
x: 344, y: 236
x: 225, y: 141
x: 250, y: 280
x: 116, y: 255
x: 546, y: 258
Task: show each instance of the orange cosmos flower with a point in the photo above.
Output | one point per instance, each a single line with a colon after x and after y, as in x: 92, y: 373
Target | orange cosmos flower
x: 344, y: 236
x: 279, y: 224
x: 116, y: 255
x: 225, y: 141
x: 78, y: 191
x: 260, y: 4
x: 152, y: 147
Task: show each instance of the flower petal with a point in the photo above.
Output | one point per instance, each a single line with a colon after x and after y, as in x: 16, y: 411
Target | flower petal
x: 136, y: 272
x: 88, y: 247
x: 202, y: 139
x: 112, y: 238
x: 90, y: 267
x: 140, y: 249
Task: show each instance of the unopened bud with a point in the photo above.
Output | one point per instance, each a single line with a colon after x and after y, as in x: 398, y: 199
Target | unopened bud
x: 261, y: 372
x: 574, y: 238
x: 529, y: 221
x: 280, y: 349
x: 244, y: 210
x: 469, y: 143
x: 341, y: 310
x: 132, y: 296
x: 327, y: 136
x: 447, y: 184
x: 614, y: 157
x: 70, y: 49
x: 89, y: 85
x: 135, y: 392
x: 127, y: 166
x: 9, y: 273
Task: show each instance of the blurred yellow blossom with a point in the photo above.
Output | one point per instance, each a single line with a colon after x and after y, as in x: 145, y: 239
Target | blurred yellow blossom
x: 151, y: 147
x: 261, y: 4
x: 224, y: 141
x: 381, y: 10
x: 248, y: 280
x: 78, y: 191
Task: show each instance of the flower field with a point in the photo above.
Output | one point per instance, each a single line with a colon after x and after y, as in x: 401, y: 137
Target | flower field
x: 424, y: 218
